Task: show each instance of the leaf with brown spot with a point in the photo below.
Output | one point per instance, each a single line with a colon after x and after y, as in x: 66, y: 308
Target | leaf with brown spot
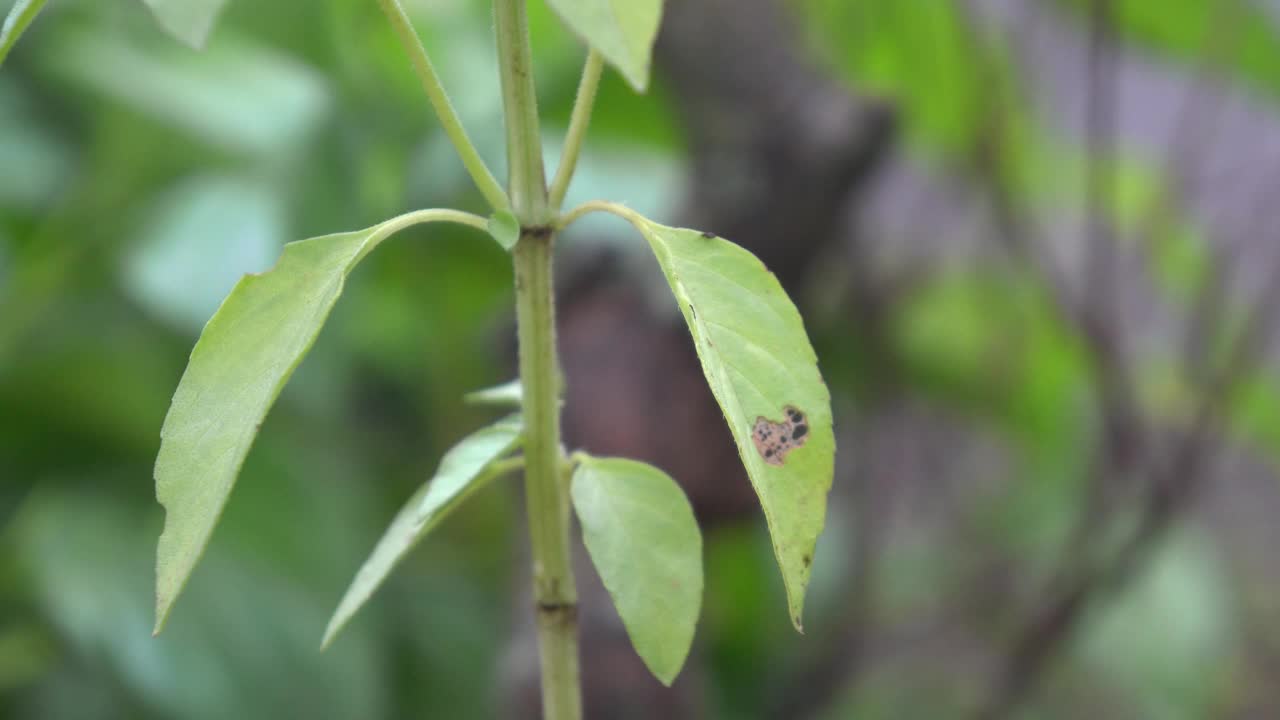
x: 758, y: 361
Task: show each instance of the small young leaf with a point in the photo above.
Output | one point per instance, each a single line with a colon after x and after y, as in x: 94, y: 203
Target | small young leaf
x: 508, y: 394
x: 643, y: 540
x: 622, y: 31
x: 504, y: 228
x: 187, y: 20
x: 19, y: 19
x: 764, y: 374
x: 245, y: 355
x: 461, y: 473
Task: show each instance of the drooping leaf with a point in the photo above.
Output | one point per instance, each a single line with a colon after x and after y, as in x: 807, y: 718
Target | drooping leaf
x: 18, y: 20
x: 187, y: 20
x: 504, y: 228
x: 758, y: 361
x: 639, y: 529
x: 622, y: 31
x: 466, y: 468
x: 245, y: 355
x: 508, y: 394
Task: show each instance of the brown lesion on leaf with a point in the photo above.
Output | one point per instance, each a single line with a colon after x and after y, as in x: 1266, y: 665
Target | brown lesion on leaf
x: 775, y: 440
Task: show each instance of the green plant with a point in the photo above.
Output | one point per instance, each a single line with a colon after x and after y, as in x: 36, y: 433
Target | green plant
x: 637, y: 525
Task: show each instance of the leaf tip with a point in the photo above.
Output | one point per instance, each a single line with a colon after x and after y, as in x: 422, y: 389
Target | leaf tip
x: 330, y: 633
x: 795, y: 588
x: 162, y: 616
x: 638, y: 80
x: 340, y: 618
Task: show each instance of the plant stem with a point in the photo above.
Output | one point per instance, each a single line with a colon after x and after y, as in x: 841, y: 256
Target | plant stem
x: 526, y: 181
x: 484, y: 180
x: 578, y: 125
x: 555, y: 595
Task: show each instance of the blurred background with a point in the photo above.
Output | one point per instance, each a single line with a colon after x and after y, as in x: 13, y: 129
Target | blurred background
x: 1034, y: 242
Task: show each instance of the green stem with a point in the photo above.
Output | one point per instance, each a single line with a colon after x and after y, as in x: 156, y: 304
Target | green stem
x: 555, y: 595
x: 578, y: 124
x: 484, y: 180
x: 526, y: 180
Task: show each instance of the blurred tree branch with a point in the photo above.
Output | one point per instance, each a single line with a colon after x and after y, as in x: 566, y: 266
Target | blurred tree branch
x: 1087, y: 571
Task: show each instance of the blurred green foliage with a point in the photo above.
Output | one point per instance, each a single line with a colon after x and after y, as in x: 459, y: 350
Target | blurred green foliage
x: 139, y: 179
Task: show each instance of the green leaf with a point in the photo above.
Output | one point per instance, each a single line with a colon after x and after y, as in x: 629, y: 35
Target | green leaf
x: 643, y: 540
x: 187, y: 20
x: 760, y: 366
x: 466, y: 468
x: 505, y: 228
x: 622, y: 31
x: 245, y: 355
x: 19, y: 19
x: 508, y: 394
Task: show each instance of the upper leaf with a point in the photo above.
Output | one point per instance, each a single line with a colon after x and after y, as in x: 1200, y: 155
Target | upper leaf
x: 187, y: 20
x: 461, y: 473
x: 622, y: 31
x: 245, y: 355
x: 643, y: 540
x: 758, y: 361
x: 20, y: 17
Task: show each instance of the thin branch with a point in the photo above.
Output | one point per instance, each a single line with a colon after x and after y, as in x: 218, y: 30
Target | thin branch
x: 578, y: 124
x: 426, y: 72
